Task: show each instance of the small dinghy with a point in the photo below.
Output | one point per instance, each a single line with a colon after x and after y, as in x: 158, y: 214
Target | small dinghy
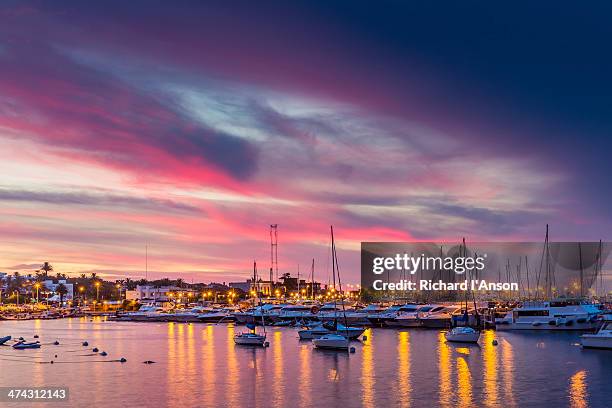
x: 462, y: 335
x: 4, y: 339
x: 22, y: 345
x: 331, y: 341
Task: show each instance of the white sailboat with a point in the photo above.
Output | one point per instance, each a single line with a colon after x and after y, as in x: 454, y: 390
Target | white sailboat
x: 252, y: 338
x: 336, y: 340
x: 462, y: 335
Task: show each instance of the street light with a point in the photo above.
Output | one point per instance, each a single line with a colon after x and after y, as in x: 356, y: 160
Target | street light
x: 97, y: 291
x: 37, y: 285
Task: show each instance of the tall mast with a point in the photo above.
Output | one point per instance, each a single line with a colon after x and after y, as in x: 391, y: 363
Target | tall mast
x: 581, y: 270
x: 312, y: 279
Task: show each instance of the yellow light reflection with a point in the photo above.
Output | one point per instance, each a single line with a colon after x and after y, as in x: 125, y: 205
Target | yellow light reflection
x: 508, y: 364
x: 489, y: 355
x: 464, y: 382
x: 367, y: 374
x: 578, y: 390
x: 305, y: 374
x: 279, y: 381
x: 444, y: 366
x: 405, y: 386
x: 209, y: 366
x: 232, y: 374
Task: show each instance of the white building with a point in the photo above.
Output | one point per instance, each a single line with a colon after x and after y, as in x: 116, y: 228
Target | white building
x: 162, y: 293
x: 52, y: 286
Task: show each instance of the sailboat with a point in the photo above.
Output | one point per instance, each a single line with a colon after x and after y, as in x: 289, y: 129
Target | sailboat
x: 252, y: 338
x: 334, y: 339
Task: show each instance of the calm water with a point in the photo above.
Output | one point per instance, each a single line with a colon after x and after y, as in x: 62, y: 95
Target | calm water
x: 199, y: 365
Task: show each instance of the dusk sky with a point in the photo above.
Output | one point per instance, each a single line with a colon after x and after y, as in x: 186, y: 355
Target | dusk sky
x: 193, y: 127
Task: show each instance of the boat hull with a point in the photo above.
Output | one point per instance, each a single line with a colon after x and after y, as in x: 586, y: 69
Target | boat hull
x: 586, y: 326
x: 596, y: 342
x: 435, y: 323
x: 462, y: 337
x: 331, y: 343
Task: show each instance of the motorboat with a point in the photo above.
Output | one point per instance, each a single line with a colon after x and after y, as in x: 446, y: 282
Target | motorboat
x: 250, y: 339
x: 408, y: 315
x: 21, y: 345
x: 362, y: 316
x: 331, y: 341
x: 319, y: 330
x: 378, y: 319
x: 267, y: 312
x: 438, y: 318
x: 561, y: 314
x: 215, y: 316
x: 602, y: 339
x: 462, y: 335
x: 293, y: 313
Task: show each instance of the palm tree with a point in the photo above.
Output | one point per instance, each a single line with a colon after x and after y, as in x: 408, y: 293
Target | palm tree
x: 46, y: 268
x: 61, y: 290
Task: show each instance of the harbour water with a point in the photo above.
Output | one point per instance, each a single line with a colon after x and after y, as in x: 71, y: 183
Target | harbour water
x: 199, y: 365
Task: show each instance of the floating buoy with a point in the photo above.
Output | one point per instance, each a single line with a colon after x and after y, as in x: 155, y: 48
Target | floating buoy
x: 36, y: 336
x: 51, y: 361
x: 85, y: 344
x: 95, y: 350
x: 103, y: 353
x: 365, y: 338
x: 55, y: 356
x: 56, y: 343
x: 495, y: 342
x: 352, y: 349
x: 148, y: 362
x: 122, y: 360
x: 267, y: 344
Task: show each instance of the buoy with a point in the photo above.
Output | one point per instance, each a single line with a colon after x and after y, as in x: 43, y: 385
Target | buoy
x: 148, y: 362
x: 352, y: 349
x: 56, y: 343
x: 36, y: 336
x: 95, y: 350
x: 495, y: 342
x: 122, y: 360
x: 267, y: 344
x: 85, y: 344
x: 365, y: 338
x: 55, y: 356
x: 103, y: 353
x: 51, y: 361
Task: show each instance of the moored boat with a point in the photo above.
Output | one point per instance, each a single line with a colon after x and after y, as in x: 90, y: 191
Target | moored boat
x: 462, y: 335
x: 331, y: 341
x: 602, y: 339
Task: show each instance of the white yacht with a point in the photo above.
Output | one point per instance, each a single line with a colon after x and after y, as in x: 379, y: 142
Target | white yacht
x: 215, y: 315
x: 268, y: 311
x: 378, y: 319
x: 602, y: 339
x: 297, y: 312
x: 561, y: 314
x: 404, y: 310
x: 439, y: 317
x: 409, y: 317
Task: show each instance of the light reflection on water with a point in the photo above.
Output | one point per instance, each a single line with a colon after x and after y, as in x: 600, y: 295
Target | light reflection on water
x: 199, y: 365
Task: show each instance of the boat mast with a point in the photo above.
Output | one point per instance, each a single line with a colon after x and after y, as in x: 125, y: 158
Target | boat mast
x: 336, y: 270
x: 312, y: 279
